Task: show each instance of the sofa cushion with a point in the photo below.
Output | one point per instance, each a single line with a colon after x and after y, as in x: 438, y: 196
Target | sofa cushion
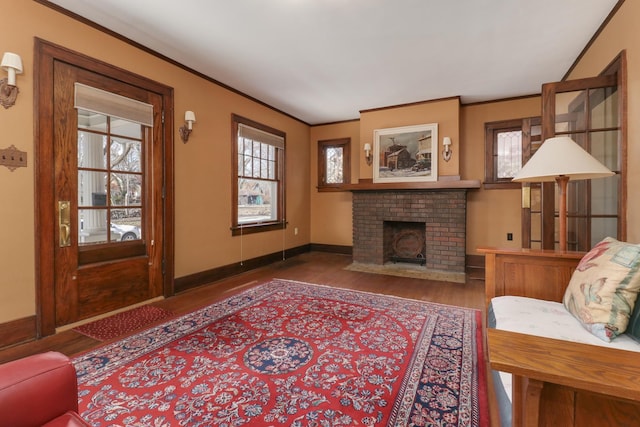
x: 548, y: 319
x: 603, y: 289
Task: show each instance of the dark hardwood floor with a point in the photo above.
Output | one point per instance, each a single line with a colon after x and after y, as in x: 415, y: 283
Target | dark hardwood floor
x: 314, y: 267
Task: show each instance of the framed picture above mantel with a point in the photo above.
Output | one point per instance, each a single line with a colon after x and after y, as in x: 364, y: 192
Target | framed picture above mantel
x: 406, y: 154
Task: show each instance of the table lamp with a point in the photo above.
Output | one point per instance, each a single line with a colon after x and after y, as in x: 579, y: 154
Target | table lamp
x: 560, y: 159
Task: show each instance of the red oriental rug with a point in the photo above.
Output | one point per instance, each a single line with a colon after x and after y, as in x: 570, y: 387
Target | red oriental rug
x: 123, y: 323
x: 288, y: 353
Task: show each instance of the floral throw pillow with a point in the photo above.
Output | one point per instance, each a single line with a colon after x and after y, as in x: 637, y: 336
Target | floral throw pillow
x: 633, y: 328
x: 603, y: 289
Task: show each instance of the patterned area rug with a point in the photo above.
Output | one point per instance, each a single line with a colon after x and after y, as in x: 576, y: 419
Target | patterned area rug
x: 294, y: 354
x: 123, y: 323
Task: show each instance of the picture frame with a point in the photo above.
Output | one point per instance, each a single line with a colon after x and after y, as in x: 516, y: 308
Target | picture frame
x: 406, y: 154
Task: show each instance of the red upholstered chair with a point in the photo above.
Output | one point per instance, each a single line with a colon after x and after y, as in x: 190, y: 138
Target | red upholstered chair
x: 39, y: 390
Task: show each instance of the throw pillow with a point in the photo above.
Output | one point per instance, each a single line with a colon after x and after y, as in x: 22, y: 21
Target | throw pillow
x: 633, y: 329
x: 603, y: 289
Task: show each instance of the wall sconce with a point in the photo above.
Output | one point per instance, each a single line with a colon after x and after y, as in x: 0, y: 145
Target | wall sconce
x: 189, y: 120
x: 367, y: 153
x: 12, y: 64
x: 446, y: 153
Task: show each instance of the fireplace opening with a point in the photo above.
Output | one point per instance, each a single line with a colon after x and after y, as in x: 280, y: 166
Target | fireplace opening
x: 404, y: 242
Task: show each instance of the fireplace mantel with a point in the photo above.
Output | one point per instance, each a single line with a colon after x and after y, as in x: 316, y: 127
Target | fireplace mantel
x: 444, y: 184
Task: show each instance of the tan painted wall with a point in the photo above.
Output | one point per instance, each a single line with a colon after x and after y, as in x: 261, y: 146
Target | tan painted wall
x: 622, y: 33
x: 202, y: 166
x: 446, y: 113
x: 491, y: 214
x: 331, y: 220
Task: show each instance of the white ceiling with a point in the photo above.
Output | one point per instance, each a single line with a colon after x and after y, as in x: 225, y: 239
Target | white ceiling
x: 323, y: 61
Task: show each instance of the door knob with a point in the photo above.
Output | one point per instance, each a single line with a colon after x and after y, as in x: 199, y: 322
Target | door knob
x: 64, y: 223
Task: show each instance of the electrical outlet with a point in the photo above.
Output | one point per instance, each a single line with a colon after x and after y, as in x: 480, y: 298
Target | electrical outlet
x: 13, y: 158
x: 295, y: 231
x: 509, y: 236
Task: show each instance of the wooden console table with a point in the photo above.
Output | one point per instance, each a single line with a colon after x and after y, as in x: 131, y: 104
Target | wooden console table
x: 555, y: 382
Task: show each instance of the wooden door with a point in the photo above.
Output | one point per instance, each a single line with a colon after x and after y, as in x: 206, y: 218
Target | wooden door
x: 592, y: 112
x: 102, y: 208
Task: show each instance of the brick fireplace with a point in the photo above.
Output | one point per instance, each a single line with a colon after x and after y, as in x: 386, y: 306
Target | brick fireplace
x: 379, y: 215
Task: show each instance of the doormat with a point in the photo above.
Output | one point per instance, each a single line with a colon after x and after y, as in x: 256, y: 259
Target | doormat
x: 123, y: 323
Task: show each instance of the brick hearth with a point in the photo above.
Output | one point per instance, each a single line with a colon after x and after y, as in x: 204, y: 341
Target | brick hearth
x: 442, y: 212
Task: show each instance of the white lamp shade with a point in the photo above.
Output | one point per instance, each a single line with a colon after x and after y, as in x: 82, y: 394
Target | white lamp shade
x: 12, y: 60
x: 12, y: 64
x: 189, y: 116
x: 561, y: 156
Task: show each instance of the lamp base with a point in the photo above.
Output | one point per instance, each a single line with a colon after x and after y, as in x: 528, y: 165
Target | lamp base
x: 562, y: 181
x: 184, y: 133
x: 446, y: 155
x: 8, y: 94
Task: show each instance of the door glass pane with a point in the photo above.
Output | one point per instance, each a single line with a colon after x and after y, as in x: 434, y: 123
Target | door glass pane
x: 577, y: 232
x: 536, y: 201
x: 536, y: 217
x: 536, y: 227
x: 604, y: 107
x: 577, y: 199
x: 604, y: 195
x: 125, y: 128
x: 126, y: 189
x: 92, y: 150
x: 92, y: 121
x: 570, y: 111
x: 603, y: 227
x: 110, y: 177
x: 125, y: 224
x: 126, y: 155
x: 92, y: 226
x: 604, y: 147
x: 92, y: 188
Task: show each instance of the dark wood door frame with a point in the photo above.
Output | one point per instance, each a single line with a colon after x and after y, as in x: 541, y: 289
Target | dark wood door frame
x: 46, y: 54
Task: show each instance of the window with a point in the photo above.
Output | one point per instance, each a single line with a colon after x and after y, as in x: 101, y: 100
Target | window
x: 259, y: 194
x: 334, y: 159
x: 508, y: 144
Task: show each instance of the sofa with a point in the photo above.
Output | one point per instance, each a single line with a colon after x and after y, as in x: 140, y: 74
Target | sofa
x: 541, y: 318
x: 39, y: 390
x: 553, y: 362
